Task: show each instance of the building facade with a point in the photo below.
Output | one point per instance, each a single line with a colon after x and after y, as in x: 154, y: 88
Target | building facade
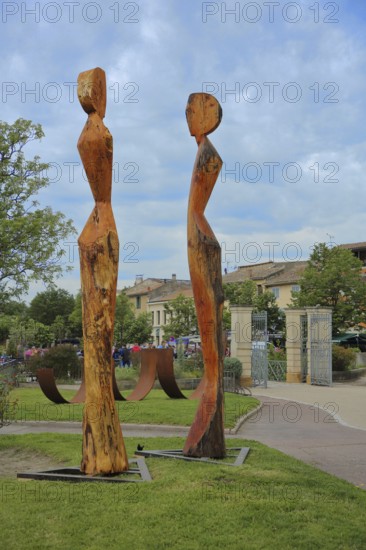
x: 150, y: 296
x: 281, y: 278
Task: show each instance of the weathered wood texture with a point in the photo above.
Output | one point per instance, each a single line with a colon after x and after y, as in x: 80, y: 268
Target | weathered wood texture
x: 103, y: 447
x: 206, y: 436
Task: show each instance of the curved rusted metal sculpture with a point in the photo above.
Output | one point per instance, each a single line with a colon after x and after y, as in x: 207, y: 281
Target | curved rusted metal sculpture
x: 153, y: 362
x: 166, y: 376
x: 146, y: 379
x: 47, y: 382
x: 206, y: 436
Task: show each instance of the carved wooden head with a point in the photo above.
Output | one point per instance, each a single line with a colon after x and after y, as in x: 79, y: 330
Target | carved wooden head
x: 92, y: 91
x: 203, y: 114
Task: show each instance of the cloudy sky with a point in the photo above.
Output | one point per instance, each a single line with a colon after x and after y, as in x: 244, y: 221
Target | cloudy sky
x: 290, y: 77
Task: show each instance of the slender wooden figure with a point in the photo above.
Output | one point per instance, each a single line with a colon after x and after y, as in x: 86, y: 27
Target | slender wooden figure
x: 103, y: 446
x: 206, y: 436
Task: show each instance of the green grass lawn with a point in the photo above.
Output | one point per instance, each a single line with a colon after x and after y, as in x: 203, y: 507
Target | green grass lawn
x: 156, y: 408
x: 271, y: 502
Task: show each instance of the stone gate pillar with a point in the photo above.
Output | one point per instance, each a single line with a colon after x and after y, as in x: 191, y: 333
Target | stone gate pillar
x: 294, y: 345
x: 241, y: 340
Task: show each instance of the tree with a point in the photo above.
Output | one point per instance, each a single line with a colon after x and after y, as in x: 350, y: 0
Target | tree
x: 124, y: 320
x: 30, y: 333
x: 241, y: 294
x: 245, y: 294
x: 332, y: 278
x: 60, y: 328
x: 139, y: 330
x: 13, y: 307
x: 226, y: 318
x: 183, y: 319
x: 275, y: 316
x: 5, y: 326
x: 76, y: 317
x: 29, y: 236
x: 48, y: 305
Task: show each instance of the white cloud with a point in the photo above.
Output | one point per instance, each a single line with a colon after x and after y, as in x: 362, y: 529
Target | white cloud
x: 152, y: 66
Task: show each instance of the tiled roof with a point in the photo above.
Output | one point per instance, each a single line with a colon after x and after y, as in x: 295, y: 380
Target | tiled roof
x: 144, y: 287
x: 187, y: 292
x: 271, y: 273
x: 290, y: 274
x: 354, y: 246
x: 254, y: 272
x: 170, y: 290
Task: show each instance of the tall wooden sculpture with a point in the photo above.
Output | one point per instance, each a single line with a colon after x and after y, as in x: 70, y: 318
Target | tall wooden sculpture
x: 103, y: 447
x: 206, y: 436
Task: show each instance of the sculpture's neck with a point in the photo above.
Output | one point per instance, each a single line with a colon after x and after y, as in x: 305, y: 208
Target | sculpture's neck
x: 206, y: 170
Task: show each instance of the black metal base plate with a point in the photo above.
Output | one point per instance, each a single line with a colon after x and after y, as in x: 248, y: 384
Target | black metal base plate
x: 137, y: 473
x: 237, y: 454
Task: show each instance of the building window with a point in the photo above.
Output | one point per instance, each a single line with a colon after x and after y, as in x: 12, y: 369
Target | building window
x: 276, y: 291
x: 259, y: 290
x: 152, y: 317
x: 138, y: 302
x: 295, y: 288
x: 158, y: 321
x: 165, y: 317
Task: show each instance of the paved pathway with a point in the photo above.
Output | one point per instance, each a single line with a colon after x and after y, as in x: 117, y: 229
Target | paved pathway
x: 346, y: 402
x: 311, y: 435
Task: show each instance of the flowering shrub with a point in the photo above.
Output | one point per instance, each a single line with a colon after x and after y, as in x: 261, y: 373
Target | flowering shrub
x: 275, y: 353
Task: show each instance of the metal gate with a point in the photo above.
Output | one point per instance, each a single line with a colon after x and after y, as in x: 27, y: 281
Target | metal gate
x: 304, y: 346
x: 259, y: 349
x: 320, y: 340
x: 229, y: 381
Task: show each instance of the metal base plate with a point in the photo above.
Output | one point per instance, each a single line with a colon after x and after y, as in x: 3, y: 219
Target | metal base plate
x: 237, y: 454
x: 137, y: 473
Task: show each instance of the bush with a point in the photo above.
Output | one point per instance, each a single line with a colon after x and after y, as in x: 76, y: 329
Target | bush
x: 126, y: 373
x: 6, y: 407
x: 276, y: 353
x: 343, y: 358
x: 193, y: 364
x: 232, y: 364
x: 62, y: 358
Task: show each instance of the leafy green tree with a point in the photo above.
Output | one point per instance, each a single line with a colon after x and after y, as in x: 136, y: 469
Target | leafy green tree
x: 6, y: 322
x: 183, y: 319
x: 226, y: 318
x: 245, y: 294
x: 124, y: 319
x: 28, y: 333
x: 76, y: 317
x: 241, y: 294
x: 276, y: 319
x: 52, y: 303
x: 30, y: 236
x: 332, y: 278
x: 13, y: 307
x: 138, y: 330
x: 60, y: 328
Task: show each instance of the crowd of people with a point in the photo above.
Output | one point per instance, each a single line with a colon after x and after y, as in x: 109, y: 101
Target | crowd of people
x: 122, y: 356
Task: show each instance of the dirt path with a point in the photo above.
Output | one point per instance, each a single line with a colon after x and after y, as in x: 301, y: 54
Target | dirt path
x: 13, y: 461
